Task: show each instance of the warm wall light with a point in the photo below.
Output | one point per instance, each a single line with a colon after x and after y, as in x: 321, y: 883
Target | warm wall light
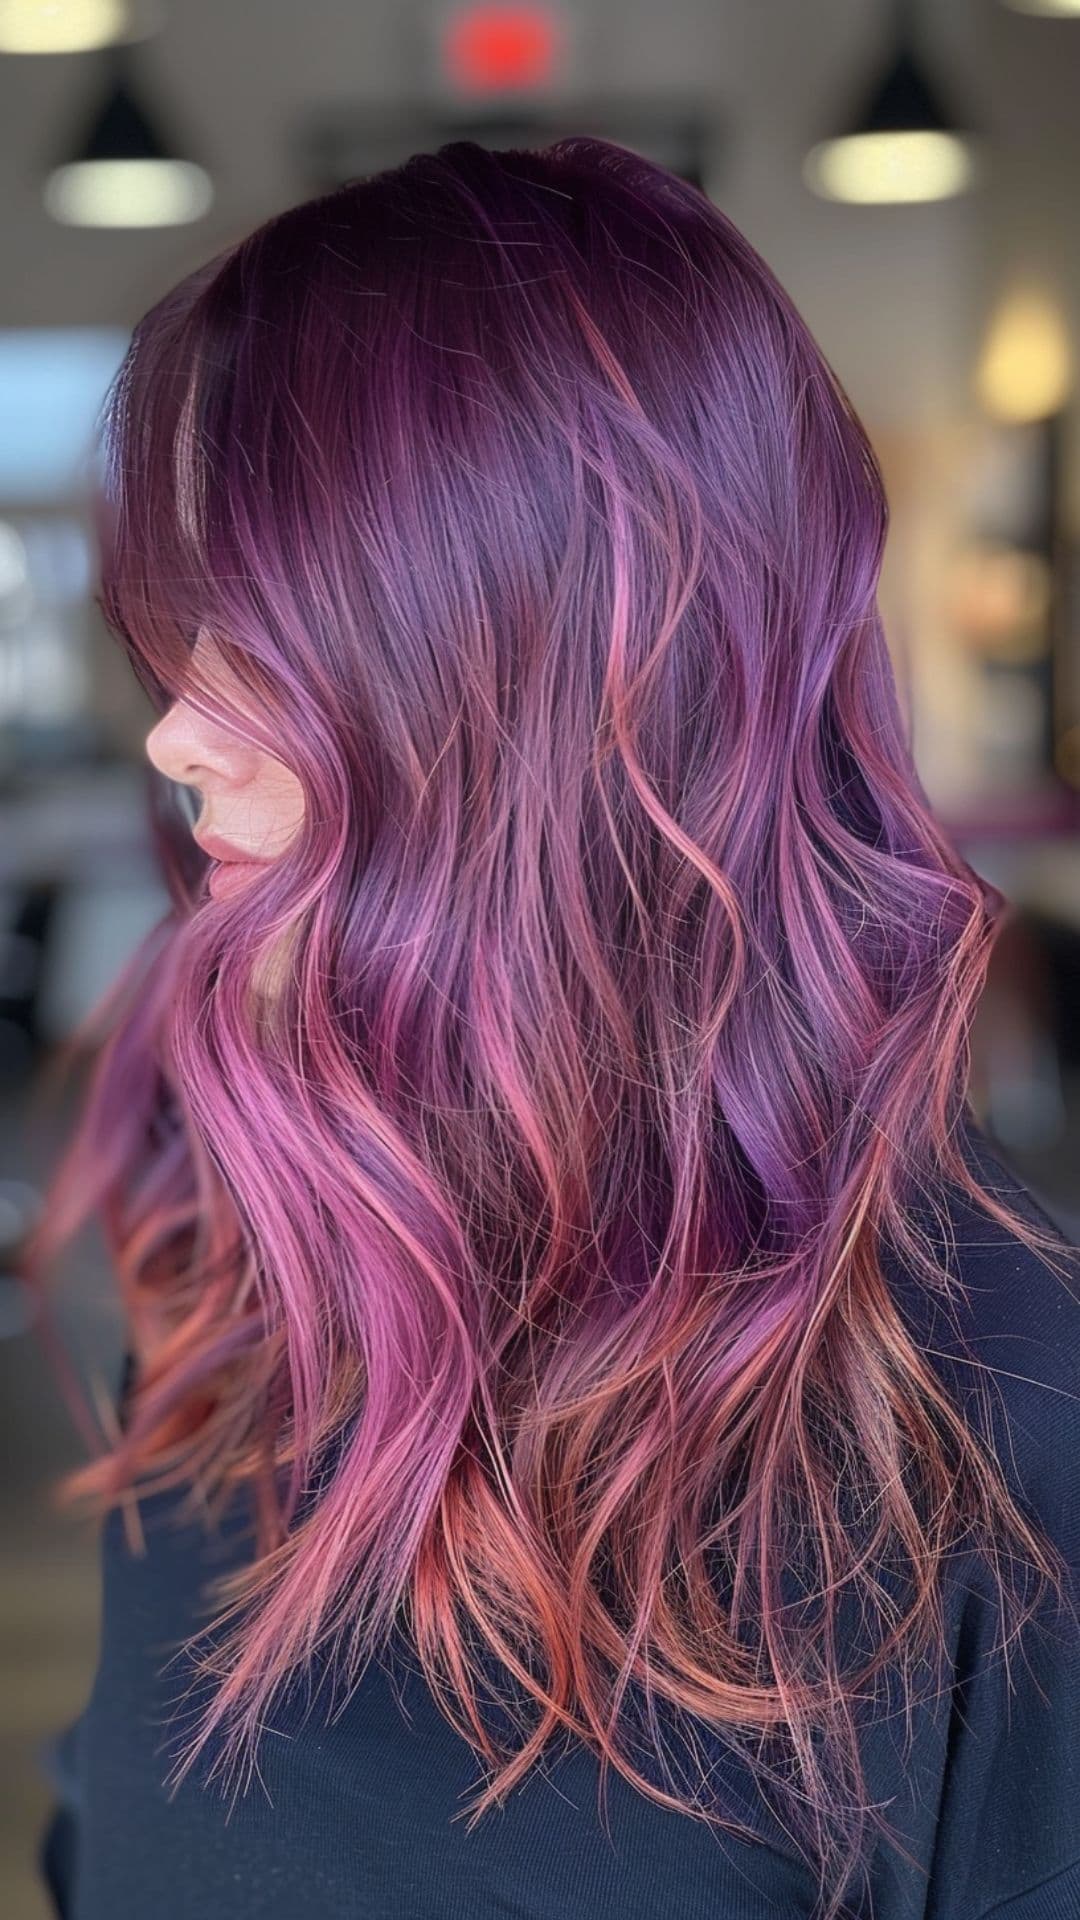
x: 1025, y: 369
x: 61, y: 26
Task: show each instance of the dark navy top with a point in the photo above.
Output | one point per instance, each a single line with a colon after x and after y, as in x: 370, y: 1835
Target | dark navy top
x: 353, y: 1818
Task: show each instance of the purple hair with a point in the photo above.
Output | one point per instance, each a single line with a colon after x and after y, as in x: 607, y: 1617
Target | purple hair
x: 549, y: 1200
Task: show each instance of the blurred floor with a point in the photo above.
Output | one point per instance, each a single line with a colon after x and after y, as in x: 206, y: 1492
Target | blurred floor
x: 49, y: 1611
x: 50, y: 1592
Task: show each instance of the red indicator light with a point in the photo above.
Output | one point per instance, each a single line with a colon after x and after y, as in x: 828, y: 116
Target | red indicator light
x: 494, y: 48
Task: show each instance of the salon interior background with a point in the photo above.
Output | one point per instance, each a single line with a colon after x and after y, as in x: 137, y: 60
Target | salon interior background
x: 910, y: 172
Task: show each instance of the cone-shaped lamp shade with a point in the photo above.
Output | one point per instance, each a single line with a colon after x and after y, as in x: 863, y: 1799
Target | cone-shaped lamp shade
x: 124, y: 168
x: 902, y: 146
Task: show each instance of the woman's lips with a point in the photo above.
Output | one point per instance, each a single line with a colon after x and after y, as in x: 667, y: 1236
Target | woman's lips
x: 231, y: 876
x: 220, y: 849
x: 233, y: 870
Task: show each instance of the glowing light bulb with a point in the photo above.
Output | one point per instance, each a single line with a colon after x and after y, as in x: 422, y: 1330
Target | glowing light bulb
x: 128, y: 193
x: 61, y: 26
x: 880, y: 168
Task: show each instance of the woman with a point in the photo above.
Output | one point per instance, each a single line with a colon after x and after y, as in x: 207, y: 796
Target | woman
x: 572, y: 1315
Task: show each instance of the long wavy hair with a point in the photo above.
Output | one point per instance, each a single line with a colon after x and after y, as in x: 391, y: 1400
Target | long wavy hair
x: 527, y: 1254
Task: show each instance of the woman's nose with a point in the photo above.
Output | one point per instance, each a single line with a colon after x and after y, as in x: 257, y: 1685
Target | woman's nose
x: 171, y: 744
x: 187, y: 747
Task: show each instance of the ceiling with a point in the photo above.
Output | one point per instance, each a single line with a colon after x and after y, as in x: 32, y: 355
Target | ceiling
x: 897, y: 296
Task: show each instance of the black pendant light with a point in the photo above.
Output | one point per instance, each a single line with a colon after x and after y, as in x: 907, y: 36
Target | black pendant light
x: 904, y: 142
x: 124, y: 167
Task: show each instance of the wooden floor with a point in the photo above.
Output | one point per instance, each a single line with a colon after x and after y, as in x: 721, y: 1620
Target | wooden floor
x: 48, y: 1637
x: 50, y: 1585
